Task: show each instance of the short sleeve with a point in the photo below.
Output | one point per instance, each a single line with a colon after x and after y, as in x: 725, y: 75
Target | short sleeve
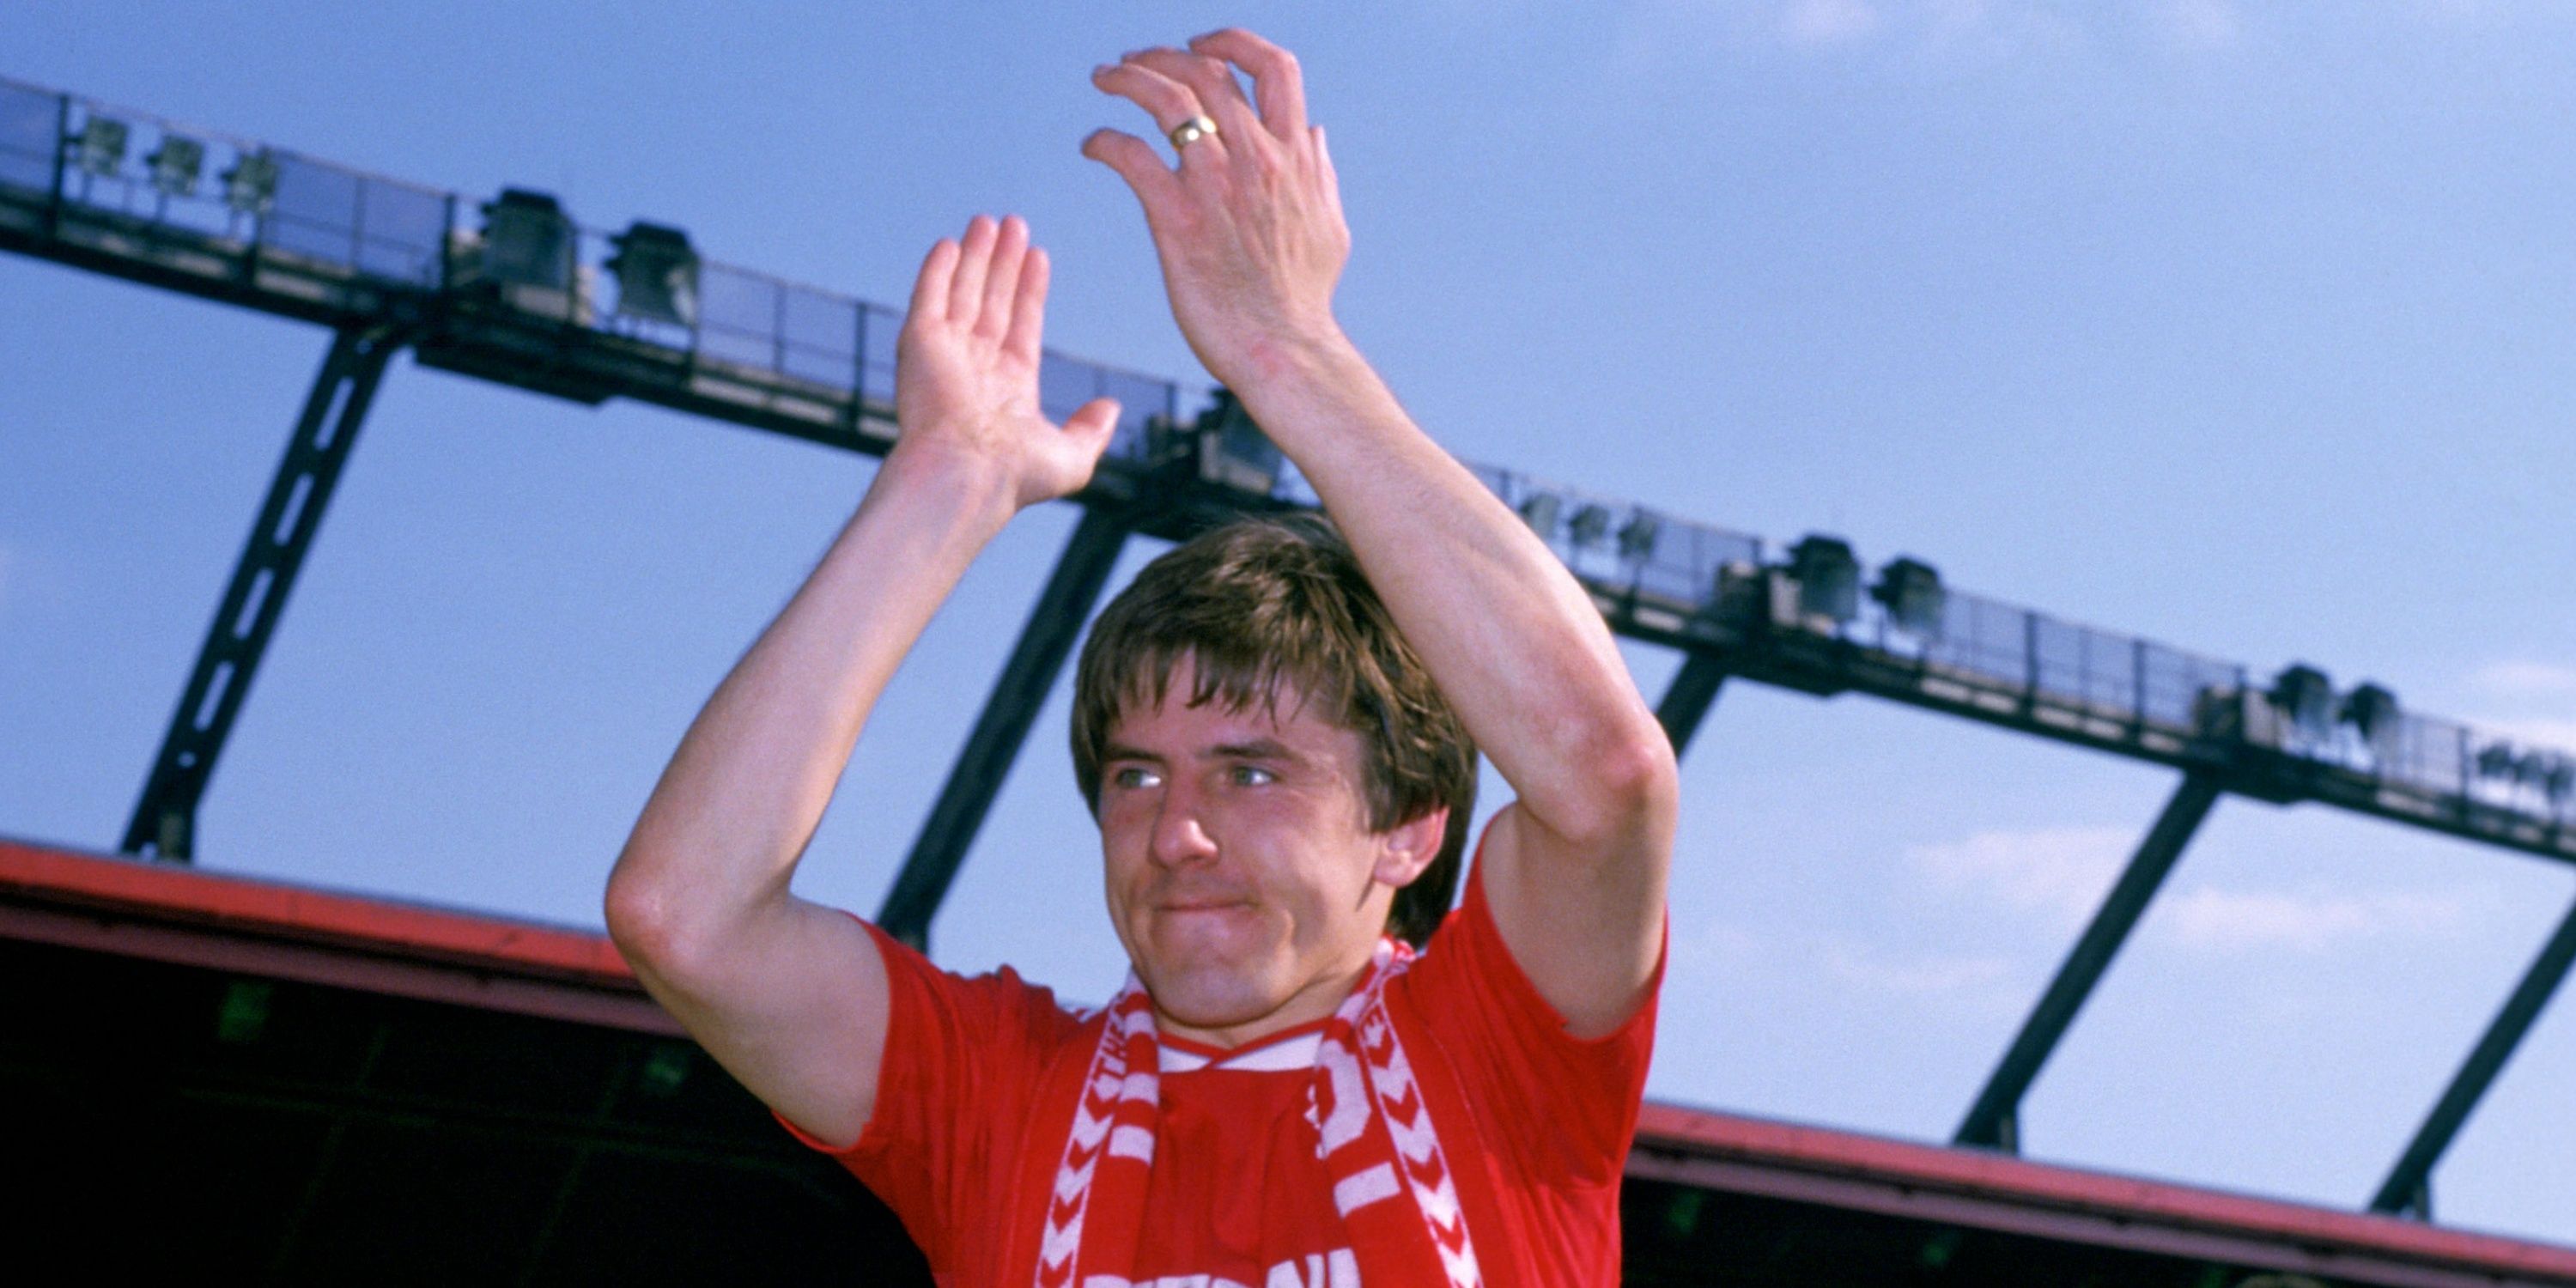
x: 962, y: 1063
x: 1564, y: 1108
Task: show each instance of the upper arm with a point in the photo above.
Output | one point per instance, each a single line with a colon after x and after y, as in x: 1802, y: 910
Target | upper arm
x: 792, y: 1002
x: 1583, y: 915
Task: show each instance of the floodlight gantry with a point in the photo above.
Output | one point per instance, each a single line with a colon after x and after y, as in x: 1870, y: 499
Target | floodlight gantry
x: 387, y: 265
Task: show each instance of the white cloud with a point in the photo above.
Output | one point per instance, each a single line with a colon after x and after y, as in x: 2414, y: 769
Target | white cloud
x: 2063, y: 873
x: 1723, y: 943
x: 2529, y: 701
x: 1927, y: 975
x: 1966, y: 36
x: 1827, y: 22
x: 2199, y: 24
x: 1768, y: 959
x: 2060, y: 871
x: 1946, y: 33
x: 2219, y: 920
x: 2525, y: 679
x: 2558, y: 735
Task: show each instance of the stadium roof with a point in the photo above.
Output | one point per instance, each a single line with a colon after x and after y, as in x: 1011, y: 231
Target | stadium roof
x: 366, y: 1087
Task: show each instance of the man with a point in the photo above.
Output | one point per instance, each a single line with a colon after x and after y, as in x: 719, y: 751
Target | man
x: 1281, y: 1095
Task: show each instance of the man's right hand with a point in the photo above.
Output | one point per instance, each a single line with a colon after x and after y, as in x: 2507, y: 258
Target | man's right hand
x: 790, y: 996
x: 966, y: 370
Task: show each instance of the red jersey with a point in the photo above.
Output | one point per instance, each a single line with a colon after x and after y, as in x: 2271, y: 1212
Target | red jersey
x: 980, y: 1076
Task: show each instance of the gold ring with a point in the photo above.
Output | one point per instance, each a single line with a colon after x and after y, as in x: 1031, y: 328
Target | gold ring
x: 1191, y: 131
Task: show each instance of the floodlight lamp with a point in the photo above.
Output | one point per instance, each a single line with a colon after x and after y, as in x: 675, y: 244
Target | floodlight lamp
x: 2533, y: 769
x: 102, y: 145
x: 1538, y: 510
x: 657, y: 274
x: 2496, y: 760
x: 176, y: 164
x: 1222, y: 406
x: 1911, y: 589
x: 1233, y: 450
x: 2559, y: 782
x: 527, y: 240
x: 250, y: 187
x: 2372, y: 709
x: 1589, y: 525
x: 2304, y: 694
x: 1828, y: 577
x: 1637, y: 537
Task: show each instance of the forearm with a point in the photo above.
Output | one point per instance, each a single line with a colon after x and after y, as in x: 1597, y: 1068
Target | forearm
x: 721, y: 835
x: 1511, y: 638
x: 790, y: 997
x: 1250, y: 232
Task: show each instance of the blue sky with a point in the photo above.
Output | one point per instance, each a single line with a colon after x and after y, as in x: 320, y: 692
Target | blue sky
x: 2242, y: 327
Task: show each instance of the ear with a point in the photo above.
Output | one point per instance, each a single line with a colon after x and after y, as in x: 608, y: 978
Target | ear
x: 1407, y: 848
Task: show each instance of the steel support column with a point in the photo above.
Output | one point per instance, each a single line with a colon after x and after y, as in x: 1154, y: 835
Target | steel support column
x: 977, y: 777
x: 1994, y: 1121
x: 165, y: 819
x: 1687, y: 698
x: 2409, y: 1185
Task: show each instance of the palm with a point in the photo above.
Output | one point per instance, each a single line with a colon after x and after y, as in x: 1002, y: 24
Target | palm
x: 966, y: 371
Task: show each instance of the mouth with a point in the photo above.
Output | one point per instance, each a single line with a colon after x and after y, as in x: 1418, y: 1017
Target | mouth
x: 1203, y: 905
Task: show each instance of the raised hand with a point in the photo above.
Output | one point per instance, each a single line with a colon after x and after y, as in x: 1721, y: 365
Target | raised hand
x: 1249, y: 224
x: 966, y: 368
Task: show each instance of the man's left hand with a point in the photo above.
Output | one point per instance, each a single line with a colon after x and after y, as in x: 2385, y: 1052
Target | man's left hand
x: 1249, y: 224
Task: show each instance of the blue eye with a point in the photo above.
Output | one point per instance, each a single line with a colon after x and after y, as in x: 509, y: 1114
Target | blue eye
x: 1133, y: 776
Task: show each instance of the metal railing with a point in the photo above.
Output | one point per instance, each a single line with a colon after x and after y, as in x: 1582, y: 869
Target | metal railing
x: 330, y: 220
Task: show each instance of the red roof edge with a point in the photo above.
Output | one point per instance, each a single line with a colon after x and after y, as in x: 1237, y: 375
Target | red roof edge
x: 166, y: 912
x: 1689, y: 1135
x: 191, y: 895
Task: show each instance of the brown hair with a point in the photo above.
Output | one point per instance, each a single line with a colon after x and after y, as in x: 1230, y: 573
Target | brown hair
x: 1279, y: 599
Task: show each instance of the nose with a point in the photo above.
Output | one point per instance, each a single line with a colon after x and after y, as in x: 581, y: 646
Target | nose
x: 1180, y: 832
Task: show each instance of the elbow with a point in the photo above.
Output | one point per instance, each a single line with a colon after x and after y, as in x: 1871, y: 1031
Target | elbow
x: 638, y: 917
x: 1630, y: 790
x: 648, y: 921
x: 1645, y: 777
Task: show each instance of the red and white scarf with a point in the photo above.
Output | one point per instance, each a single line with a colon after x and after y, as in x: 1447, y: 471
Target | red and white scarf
x: 1372, y: 1131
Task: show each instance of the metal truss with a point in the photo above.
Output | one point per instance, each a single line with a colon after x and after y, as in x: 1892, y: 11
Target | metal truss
x: 1688, y: 697
x: 2409, y: 1187
x: 1062, y: 608
x: 165, y: 819
x: 1995, y: 1120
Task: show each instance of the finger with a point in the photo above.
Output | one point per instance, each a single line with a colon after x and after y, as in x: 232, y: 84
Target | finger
x: 1324, y: 169
x: 1211, y: 82
x: 1168, y: 101
x: 930, y: 290
x: 1028, y: 308
x: 974, y: 261
x: 1277, y: 82
x: 1002, y: 281
x: 1135, y: 160
x: 1092, y: 425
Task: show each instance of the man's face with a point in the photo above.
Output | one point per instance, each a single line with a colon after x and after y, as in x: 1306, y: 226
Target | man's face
x: 1242, y: 876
